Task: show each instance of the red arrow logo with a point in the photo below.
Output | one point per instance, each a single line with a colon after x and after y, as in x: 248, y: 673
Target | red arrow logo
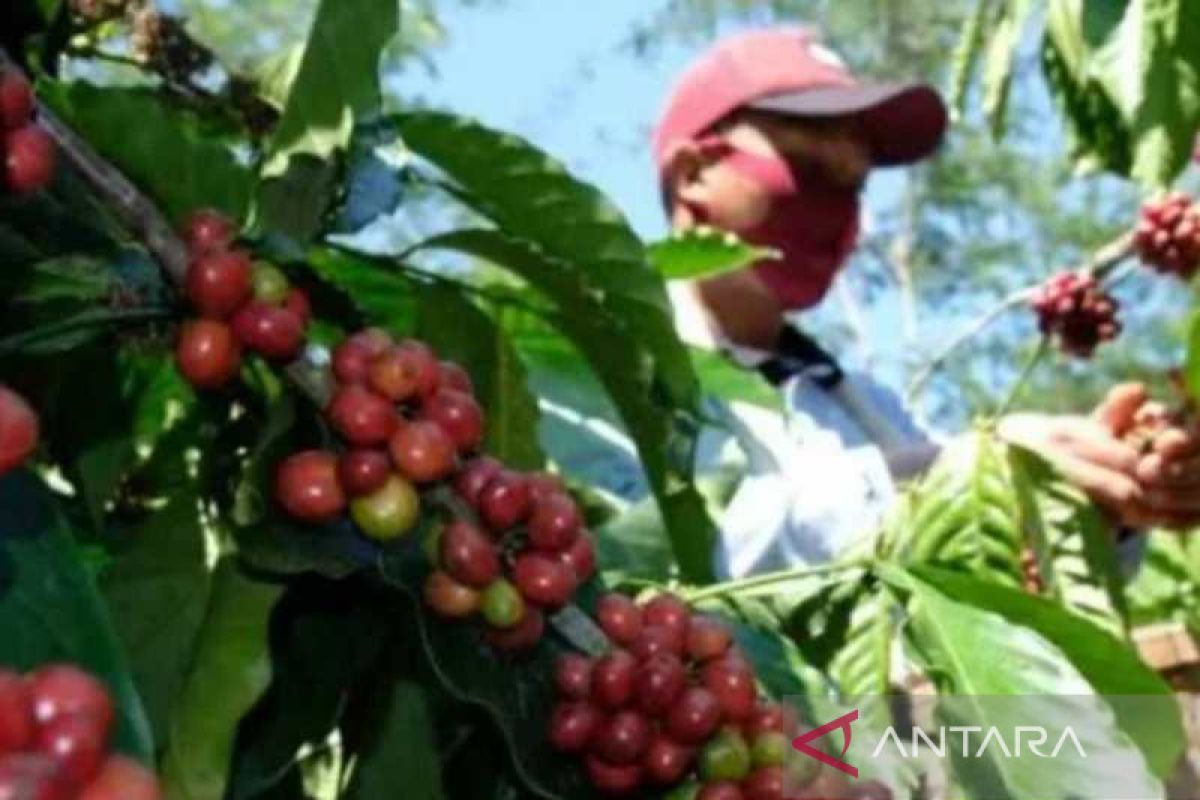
x: 801, y: 743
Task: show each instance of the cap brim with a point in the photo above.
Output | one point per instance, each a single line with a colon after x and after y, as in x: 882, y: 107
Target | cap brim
x: 906, y: 122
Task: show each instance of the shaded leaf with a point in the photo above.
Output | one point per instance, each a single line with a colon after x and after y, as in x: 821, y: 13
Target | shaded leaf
x: 401, y: 751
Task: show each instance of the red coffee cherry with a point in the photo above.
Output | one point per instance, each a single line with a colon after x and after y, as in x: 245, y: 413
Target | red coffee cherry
x: 661, y: 679
x: 30, y: 159
x: 271, y: 331
x: 623, y: 738
x: 667, y: 762
x: 543, y: 581
x: 307, y: 487
x: 362, y: 417
x: 572, y: 726
x: 669, y: 611
x: 16, y: 713
x: 1081, y: 315
x: 352, y: 358
x: 555, y: 523
x: 422, y: 452
x: 76, y: 744
x: 656, y: 639
x: 767, y: 718
x: 62, y: 690
x: 573, y: 676
x: 613, y: 780
x: 19, y: 430
x: 620, y: 618
x: 458, y: 415
x: 29, y: 776
x: 764, y: 784
x: 121, y: 778
x: 733, y: 684
x: 297, y: 302
x: 695, y: 717
x: 452, y: 376
x: 208, y: 354
x: 708, y: 638
x: 449, y: 598
x: 16, y: 100
x: 475, y: 476
x: 208, y: 231
x: 424, y: 366
x: 362, y: 472
x: 218, y: 283
x: 468, y: 555
x: 505, y: 501
x: 542, y: 484
x: 580, y: 557
x: 614, y: 680
x: 724, y: 790
x: 406, y: 371
x: 520, y: 638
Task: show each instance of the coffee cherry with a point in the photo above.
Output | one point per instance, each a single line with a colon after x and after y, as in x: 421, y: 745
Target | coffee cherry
x: 30, y: 159
x: 271, y: 286
x: 695, y: 716
x: 297, y: 302
x: 580, y: 557
x: 121, y: 778
x: 725, y: 758
x: 666, y: 762
x: 555, y: 523
x: 623, y: 738
x: 614, y: 680
x: 16, y: 713
x: 218, y: 283
x: 469, y: 556
x: 449, y: 598
x: 505, y: 501
x: 769, y: 749
x: 669, y: 611
x: 1073, y: 308
x: 424, y: 366
x: 422, y: 452
x: 208, y: 355
x: 724, y: 790
x: 572, y: 726
x: 619, y: 618
x: 404, y: 372
x: 389, y: 512
x: 307, y: 487
x: 208, y: 231
x: 707, y: 638
x: 19, y: 430
x: 352, y: 358
x: 767, y: 718
x: 362, y: 417
x: 63, y: 690
x: 543, y: 484
x: 613, y: 780
x: 16, y: 100
x: 520, y: 638
x: 1168, y: 235
x: 29, y: 776
x: 362, y: 472
x: 458, y: 415
x: 657, y: 639
x: 452, y: 376
x: 572, y: 676
x: 502, y: 605
x: 765, y: 783
x: 270, y: 331
x: 733, y: 684
x: 474, y: 478
x: 543, y: 581
x: 661, y: 679
x: 76, y: 744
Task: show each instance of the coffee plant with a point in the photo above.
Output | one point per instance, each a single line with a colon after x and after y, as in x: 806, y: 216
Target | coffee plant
x: 280, y: 516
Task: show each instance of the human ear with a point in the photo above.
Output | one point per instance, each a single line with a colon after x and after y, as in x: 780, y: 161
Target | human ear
x: 684, y: 182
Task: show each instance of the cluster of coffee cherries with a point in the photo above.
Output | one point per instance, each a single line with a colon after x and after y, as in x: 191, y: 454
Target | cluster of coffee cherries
x: 525, y: 558
x: 673, y: 706
x: 1168, y: 235
x: 18, y: 430
x: 28, y: 153
x: 1075, y: 310
x: 55, y: 725
x: 240, y: 304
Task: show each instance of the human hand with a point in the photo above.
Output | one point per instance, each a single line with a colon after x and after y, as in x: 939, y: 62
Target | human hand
x: 1169, y: 468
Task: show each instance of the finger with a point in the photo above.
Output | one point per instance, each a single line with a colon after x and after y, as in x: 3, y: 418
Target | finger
x: 1156, y: 471
x: 1091, y: 442
x: 1166, y: 501
x: 1113, y: 489
x: 1117, y: 411
x: 1175, y: 444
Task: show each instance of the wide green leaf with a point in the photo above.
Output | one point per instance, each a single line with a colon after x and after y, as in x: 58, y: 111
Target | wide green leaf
x: 460, y: 331
x: 401, y: 750
x: 703, y: 253
x: 163, y: 150
x: 957, y: 625
x: 623, y: 366
x: 50, y: 608
x: 721, y: 379
x: 230, y: 668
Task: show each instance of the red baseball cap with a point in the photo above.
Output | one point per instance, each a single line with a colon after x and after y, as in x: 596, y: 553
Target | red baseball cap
x: 789, y: 71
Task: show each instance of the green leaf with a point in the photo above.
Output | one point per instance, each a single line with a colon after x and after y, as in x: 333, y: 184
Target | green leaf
x: 1004, y: 40
x: 230, y: 669
x: 461, y: 332
x: 966, y: 514
x: 1072, y: 541
x: 732, y: 384
x: 1167, y: 585
x: 336, y: 83
x: 703, y: 253
x: 50, y: 608
x: 958, y: 624
x: 163, y: 150
x: 966, y: 55
x: 386, y: 297
x: 620, y: 361
x: 1191, y: 367
x: 401, y: 750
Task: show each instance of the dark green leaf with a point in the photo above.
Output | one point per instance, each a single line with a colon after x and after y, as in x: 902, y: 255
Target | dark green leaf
x: 1191, y: 369
x: 50, y: 609
x: 401, y: 751
x: 385, y: 296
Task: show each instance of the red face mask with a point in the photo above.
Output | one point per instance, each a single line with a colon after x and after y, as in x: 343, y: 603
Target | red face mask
x: 812, y: 224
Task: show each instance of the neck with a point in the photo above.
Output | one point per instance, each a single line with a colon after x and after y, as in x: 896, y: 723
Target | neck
x: 743, y: 308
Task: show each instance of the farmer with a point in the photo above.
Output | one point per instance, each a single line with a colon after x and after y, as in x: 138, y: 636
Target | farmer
x: 768, y: 135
